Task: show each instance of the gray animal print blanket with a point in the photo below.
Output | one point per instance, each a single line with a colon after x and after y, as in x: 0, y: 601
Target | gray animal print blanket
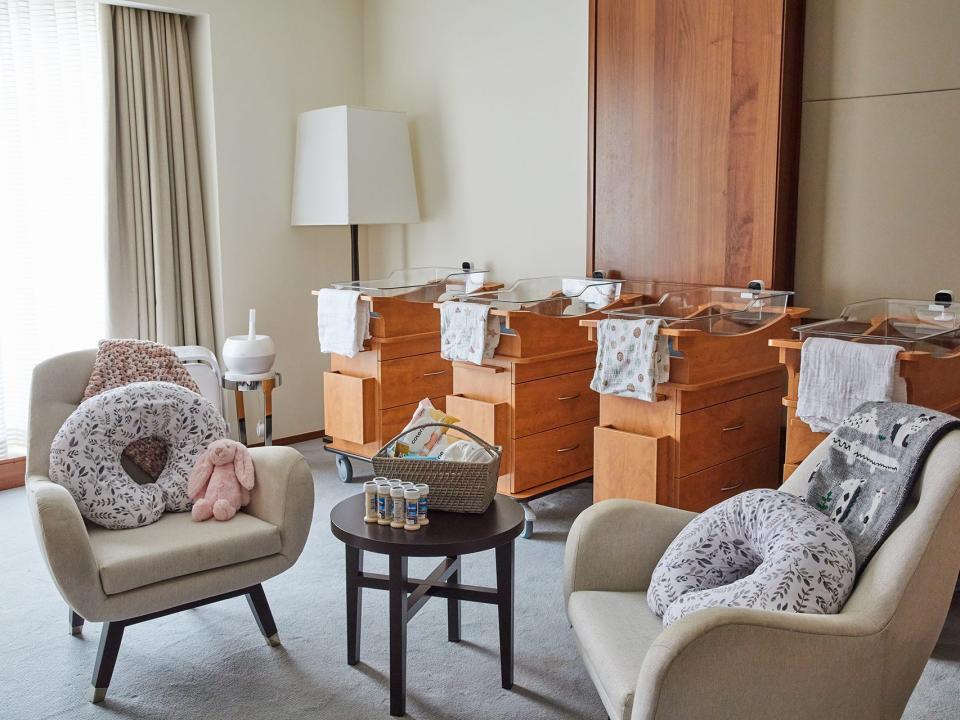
x: 874, y: 459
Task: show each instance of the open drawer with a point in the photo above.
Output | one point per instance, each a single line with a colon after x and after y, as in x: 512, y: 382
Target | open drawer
x: 350, y: 407
x: 630, y: 465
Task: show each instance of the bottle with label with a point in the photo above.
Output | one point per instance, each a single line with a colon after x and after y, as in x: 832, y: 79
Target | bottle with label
x: 384, y: 508
x: 397, y: 507
x: 411, y: 497
x: 370, y: 501
x: 423, y: 505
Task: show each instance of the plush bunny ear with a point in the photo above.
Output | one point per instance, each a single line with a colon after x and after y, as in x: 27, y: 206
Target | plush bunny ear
x: 243, y: 467
x: 200, y: 476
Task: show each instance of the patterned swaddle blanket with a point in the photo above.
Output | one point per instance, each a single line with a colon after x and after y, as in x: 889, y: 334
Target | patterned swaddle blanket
x: 873, y: 461
x: 632, y: 358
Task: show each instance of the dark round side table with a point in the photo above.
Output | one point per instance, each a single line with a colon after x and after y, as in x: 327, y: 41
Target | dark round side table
x: 448, y: 535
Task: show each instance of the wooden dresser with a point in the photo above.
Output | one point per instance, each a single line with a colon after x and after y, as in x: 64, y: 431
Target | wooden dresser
x: 533, y: 398
x: 369, y: 398
x: 714, y: 430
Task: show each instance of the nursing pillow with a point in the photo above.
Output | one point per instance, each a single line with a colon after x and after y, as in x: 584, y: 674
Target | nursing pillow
x: 761, y: 549
x: 85, y: 454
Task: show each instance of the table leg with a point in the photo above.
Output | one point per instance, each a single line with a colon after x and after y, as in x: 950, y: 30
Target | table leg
x: 241, y: 417
x: 505, y: 612
x: 354, y: 603
x: 268, y: 412
x: 398, y: 635
x: 453, y: 607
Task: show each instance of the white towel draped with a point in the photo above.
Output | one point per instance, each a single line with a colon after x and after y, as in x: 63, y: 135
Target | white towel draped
x: 468, y: 332
x: 837, y: 376
x: 343, y: 321
x: 632, y: 358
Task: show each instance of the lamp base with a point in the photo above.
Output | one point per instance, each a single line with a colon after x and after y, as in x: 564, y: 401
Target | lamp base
x: 354, y: 253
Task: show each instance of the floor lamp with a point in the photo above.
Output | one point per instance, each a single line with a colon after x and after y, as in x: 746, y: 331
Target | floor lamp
x: 353, y: 167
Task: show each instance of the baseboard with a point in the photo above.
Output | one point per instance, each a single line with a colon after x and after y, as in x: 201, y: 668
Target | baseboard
x: 294, y: 439
x: 12, y: 472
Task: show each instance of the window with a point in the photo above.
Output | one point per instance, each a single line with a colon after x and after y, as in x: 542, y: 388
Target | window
x: 52, y: 296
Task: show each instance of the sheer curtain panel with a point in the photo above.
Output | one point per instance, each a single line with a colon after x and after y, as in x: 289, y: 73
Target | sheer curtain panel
x: 52, y: 274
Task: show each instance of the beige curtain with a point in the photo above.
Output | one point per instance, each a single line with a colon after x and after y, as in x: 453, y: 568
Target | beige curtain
x: 158, y: 271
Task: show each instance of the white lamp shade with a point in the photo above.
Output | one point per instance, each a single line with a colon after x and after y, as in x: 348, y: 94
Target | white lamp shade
x: 353, y: 167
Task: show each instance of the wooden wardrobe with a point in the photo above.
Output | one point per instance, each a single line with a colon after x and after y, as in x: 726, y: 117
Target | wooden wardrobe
x: 694, y: 123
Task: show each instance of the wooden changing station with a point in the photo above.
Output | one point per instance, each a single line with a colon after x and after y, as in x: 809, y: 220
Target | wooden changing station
x: 533, y: 397
x: 714, y: 430
x: 369, y: 398
x: 928, y: 332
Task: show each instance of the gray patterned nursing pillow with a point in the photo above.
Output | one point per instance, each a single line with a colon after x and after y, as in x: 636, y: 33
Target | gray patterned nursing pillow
x: 761, y: 549
x: 85, y: 454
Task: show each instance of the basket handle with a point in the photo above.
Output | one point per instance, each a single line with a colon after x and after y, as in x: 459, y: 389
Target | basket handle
x: 492, y: 449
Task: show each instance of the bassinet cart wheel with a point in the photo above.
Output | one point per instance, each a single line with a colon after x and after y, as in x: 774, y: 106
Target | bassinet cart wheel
x: 528, y: 517
x: 344, y: 468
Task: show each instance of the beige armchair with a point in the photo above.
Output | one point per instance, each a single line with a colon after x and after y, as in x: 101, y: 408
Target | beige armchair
x: 123, y: 577
x: 747, y: 664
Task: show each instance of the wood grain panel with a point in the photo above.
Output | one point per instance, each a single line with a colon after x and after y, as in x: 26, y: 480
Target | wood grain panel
x: 553, y: 402
x: 627, y: 465
x: 349, y: 407
x: 411, y: 379
x: 553, y: 454
x: 687, y: 139
x: 722, y: 432
x: 705, y: 489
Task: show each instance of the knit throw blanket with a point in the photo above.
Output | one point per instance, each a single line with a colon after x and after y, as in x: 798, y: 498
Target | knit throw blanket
x: 121, y: 362
x: 868, y: 474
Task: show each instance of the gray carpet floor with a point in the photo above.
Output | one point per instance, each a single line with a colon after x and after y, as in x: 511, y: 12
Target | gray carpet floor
x: 212, y: 662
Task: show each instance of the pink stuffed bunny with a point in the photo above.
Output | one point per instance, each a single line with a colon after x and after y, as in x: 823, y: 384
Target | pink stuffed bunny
x: 224, y: 478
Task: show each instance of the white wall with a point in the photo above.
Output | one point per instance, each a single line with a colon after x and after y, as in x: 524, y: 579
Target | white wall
x: 496, y: 93
x: 879, y: 204
x: 268, y: 62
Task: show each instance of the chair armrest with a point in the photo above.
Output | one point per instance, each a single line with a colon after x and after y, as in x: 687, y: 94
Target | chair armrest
x: 615, y: 545
x: 283, y: 495
x: 739, y: 663
x: 65, y: 545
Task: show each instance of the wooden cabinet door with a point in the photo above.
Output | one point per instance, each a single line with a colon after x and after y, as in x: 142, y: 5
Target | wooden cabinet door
x: 693, y: 139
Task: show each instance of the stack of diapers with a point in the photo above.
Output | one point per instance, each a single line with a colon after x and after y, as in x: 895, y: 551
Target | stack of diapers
x: 85, y: 454
x: 343, y: 321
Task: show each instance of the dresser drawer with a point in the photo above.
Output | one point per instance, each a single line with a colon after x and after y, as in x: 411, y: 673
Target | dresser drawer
x: 702, y: 490
x: 553, y: 402
x: 410, y: 379
x: 552, y: 455
x: 722, y: 432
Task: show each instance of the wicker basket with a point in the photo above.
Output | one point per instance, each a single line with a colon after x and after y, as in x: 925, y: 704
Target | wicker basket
x: 464, y: 487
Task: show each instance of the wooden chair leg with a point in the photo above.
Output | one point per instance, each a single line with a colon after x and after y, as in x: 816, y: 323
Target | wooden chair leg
x: 76, y: 622
x: 257, y: 600
x: 111, y: 634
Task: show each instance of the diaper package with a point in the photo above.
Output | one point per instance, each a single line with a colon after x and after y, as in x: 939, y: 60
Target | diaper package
x: 465, y: 451
x: 428, y: 441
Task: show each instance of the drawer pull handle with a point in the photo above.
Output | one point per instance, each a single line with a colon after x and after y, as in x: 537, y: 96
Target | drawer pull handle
x: 568, y: 449
x: 569, y: 397
x: 733, y: 427
x: 731, y: 487
x: 431, y: 374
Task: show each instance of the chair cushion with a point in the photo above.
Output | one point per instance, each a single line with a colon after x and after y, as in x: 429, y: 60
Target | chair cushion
x: 85, y: 454
x: 175, y: 546
x: 613, y: 631
x: 762, y: 549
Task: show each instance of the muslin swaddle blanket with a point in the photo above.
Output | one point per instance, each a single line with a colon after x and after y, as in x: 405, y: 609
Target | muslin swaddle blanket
x: 837, y: 376
x: 343, y: 321
x: 468, y: 332
x: 632, y: 357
